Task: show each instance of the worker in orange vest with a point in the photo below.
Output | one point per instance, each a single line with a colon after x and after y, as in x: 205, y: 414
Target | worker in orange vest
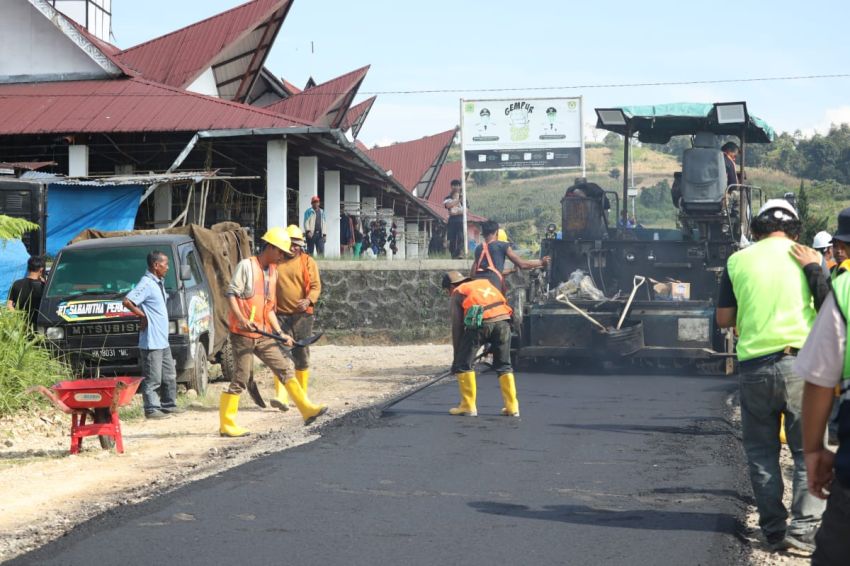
x: 480, y: 315
x: 298, y: 289
x: 252, y: 299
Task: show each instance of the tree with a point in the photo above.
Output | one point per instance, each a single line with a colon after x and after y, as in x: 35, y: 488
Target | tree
x: 14, y: 228
x: 811, y: 223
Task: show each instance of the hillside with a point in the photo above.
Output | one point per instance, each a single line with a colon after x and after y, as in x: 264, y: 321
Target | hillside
x: 525, y: 202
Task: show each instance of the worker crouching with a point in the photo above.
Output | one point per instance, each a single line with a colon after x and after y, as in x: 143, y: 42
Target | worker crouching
x: 480, y: 315
x: 251, y: 295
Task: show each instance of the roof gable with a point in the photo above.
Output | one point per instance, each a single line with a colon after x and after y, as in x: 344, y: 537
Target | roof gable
x: 356, y: 116
x: 324, y: 104
x: 233, y: 44
x: 41, y: 44
x: 416, y: 163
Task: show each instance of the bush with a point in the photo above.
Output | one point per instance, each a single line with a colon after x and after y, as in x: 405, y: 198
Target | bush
x: 25, y: 361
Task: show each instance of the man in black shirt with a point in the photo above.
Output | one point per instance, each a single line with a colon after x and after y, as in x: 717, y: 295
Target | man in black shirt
x: 730, y: 154
x: 26, y: 293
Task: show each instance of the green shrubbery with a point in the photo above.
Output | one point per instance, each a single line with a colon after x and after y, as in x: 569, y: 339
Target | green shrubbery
x: 24, y: 362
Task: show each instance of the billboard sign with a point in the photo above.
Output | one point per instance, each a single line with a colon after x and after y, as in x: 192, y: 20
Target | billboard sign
x: 521, y: 133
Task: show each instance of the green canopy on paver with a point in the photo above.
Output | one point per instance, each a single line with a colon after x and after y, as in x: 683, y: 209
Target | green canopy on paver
x: 658, y: 123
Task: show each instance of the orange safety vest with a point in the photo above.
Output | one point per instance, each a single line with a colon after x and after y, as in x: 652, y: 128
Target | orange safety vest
x: 485, y: 254
x: 482, y: 293
x: 262, y: 301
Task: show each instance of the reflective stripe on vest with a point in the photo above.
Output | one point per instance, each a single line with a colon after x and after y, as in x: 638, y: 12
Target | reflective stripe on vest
x: 775, y: 306
x: 262, y: 301
x: 482, y: 293
x: 305, y: 274
x: 841, y: 292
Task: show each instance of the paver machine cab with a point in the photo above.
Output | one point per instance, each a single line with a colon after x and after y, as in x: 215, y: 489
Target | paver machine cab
x: 658, y: 286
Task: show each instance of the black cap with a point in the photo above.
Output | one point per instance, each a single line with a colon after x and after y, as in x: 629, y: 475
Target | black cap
x: 843, y: 232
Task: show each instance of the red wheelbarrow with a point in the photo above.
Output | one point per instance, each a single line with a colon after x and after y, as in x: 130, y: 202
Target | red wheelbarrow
x: 95, y: 398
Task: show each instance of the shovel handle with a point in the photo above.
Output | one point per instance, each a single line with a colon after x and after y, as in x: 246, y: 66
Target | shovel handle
x: 636, y: 282
x: 563, y: 298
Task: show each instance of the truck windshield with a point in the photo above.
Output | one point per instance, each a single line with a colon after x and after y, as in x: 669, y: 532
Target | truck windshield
x: 104, y: 271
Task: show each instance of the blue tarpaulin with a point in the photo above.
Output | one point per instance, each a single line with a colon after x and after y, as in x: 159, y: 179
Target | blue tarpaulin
x: 13, y: 265
x: 73, y: 208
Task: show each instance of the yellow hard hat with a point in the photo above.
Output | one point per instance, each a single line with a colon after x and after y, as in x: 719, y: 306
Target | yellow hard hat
x: 278, y: 237
x: 294, y: 232
x: 501, y: 235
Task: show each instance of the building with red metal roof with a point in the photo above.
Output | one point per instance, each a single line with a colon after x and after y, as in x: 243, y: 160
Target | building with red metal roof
x: 416, y: 163
x: 356, y: 116
x: 325, y: 104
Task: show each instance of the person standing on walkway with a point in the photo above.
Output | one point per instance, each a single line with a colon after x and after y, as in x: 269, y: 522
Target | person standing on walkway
x: 824, y: 363
x: 252, y: 298
x: 25, y: 294
x: 298, y: 289
x: 314, y: 227
x: 479, y: 315
x: 148, y: 300
x: 454, y: 205
x: 764, y: 293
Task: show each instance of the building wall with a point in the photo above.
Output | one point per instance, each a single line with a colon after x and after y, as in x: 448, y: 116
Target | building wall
x: 32, y: 46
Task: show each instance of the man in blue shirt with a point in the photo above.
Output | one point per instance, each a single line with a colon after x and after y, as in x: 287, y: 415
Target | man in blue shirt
x: 148, y: 301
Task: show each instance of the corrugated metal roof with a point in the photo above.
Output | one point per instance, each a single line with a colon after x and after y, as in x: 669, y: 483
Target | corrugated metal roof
x: 178, y: 58
x: 324, y: 104
x: 356, y: 115
x: 122, y: 105
x: 291, y: 88
x: 410, y: 161
x: 150, y: 179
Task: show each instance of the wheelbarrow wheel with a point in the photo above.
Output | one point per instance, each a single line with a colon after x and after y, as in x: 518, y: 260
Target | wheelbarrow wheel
x: 103, y: 415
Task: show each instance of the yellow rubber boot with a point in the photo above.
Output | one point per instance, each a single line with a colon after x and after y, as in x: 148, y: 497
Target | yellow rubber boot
x: 227, y: 409
x: 782, y: 437
x: 508, y: 387
x: 281, y: 399
x: 309, y: 411
x: 303, y: 377
x: 466, y: 384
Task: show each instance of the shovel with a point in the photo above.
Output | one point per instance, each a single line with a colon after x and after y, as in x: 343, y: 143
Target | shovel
x: 636, y: 282
x: 563, y: 298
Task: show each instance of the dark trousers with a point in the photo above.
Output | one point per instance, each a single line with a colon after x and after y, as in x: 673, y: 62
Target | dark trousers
x: 316, y: 242
x: 299, y: 326
x: 832, y: 543
x: 497, y: 334
x: 454, y: 234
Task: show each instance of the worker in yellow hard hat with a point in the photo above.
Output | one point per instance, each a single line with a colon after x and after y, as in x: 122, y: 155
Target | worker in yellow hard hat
x: 297, y: 291
x: 252, y: 298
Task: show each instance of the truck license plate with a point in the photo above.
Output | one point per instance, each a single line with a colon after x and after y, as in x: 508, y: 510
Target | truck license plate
x: 112, y: 353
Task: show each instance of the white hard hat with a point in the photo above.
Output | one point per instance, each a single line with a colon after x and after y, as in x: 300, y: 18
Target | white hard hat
x: 822, y: 240
x: 779, y: 204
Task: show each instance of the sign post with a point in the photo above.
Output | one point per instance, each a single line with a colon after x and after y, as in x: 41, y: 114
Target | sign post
x: 519, y: 133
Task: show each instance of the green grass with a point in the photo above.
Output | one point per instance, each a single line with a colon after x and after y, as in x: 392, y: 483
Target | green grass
x: 25, y: 362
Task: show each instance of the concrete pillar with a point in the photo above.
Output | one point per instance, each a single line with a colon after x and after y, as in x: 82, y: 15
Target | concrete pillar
x: 332, y: 204
x: 308, y: 185
x: 399, y: 238
x: 162, y: 215
x: 411, y: 240
x: 78, y: 161
x: 276, y: 209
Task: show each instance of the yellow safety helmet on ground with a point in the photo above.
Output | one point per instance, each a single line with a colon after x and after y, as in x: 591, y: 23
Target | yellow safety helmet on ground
x: 295, y: 232
x: 502, y: 236
x: 278, y: 237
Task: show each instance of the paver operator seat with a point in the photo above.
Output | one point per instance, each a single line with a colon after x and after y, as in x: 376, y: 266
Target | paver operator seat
x: 703, y: 181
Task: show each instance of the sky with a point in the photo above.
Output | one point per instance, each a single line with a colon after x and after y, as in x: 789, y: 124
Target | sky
x: 470, y: 45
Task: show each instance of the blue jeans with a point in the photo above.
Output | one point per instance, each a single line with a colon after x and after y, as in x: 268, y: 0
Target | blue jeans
x: 159, y: 387
x: 768, y: 391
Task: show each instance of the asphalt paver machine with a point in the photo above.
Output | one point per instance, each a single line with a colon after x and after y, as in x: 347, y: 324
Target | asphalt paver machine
x: 617, y: 294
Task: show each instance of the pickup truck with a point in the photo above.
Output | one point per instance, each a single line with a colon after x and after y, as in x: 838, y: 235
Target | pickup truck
x: 83, y: 318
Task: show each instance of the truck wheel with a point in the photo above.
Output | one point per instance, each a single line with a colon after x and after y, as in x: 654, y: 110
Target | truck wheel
x: 228, y: 361
x: 103, y: 415
x: 198, y: 377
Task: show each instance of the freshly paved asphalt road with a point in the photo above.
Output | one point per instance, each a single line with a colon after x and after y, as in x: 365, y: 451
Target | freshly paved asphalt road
x: 599, y: 470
